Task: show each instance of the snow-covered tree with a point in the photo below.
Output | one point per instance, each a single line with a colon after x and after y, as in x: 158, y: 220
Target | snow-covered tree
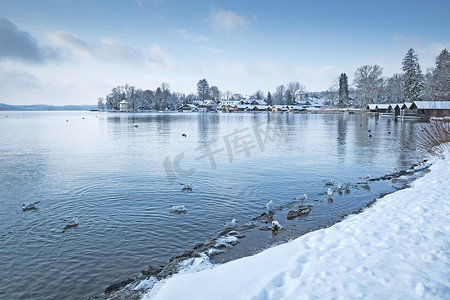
x: 343, y: 89
x: 440, y: 80
x: 215, y: 93
x: 369, y: 84
x: 269, y: 99
x: 294, y: 92
x: 394, y: 89
x: 258, y: 95
x: 412, y: 76
x: 101, y: 104
x: 203, y: 89
x: 279, y: 95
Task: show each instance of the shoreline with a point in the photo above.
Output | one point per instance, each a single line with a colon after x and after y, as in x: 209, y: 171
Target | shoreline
x: 227, y: 239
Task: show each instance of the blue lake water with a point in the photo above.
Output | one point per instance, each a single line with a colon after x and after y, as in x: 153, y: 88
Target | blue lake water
x: 121, y: 181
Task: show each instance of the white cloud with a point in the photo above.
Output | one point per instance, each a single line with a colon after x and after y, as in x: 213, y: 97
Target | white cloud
x: 156, y: 55
x: 226, y: 21
x: 108, y: 49
x: 191, y: 36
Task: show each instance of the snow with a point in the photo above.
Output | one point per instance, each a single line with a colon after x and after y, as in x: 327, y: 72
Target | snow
x: 397, y: 249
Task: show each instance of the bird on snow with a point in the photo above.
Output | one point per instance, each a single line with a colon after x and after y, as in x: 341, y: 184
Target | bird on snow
x: 270, y: 205
x: 231, y: 224
x: 329, y: 192
x: 275, y: 225
x: 184, y: 135
x: 71, y: 222
x: 27, y: 206
x: 186, y: 186
x: 136, y: 125
x: 179, y: 208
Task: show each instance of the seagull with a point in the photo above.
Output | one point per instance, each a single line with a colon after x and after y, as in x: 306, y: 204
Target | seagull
x: 302, y: 198
x: 347, y: 185
x: 270, y: 205
x: 340, y: 186
x: 71, y: 222
x: 186, y: 186
x: 329, y: 182
x: 366, y: 178
x: 330, y: 192
x: 275, y: 226
x: 179, y: 208
x: 136, y: 125
x: 231, y: 224
x: 27, y: 206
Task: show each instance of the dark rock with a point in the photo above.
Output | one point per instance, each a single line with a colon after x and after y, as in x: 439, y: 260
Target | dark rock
x: 117, y: 286
x: 151, y: 271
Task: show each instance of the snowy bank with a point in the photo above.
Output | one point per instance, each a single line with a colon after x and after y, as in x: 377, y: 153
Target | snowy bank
x: 397, y: 249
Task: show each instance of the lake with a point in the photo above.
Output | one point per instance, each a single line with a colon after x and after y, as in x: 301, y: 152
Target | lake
x: 120, y: 173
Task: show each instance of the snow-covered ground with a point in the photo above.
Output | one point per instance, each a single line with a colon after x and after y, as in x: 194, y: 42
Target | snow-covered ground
x: 397, y: 249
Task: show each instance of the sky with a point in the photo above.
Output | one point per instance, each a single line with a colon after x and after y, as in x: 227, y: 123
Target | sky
x: 62, y: 52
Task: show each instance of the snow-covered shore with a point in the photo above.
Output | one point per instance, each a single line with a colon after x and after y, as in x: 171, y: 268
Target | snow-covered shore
x: 397, y: 249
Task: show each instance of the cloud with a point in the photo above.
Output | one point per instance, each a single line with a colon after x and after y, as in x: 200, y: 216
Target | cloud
x: 156, y: 55
x: 108, y: 49
x: 226, y: 21
x: 191, y: 36
x: 21, y: 45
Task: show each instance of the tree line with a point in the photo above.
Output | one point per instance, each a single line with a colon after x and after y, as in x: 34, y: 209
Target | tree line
x: 369, y: 86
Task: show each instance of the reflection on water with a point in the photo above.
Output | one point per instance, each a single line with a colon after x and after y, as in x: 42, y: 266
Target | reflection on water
x: 110, y: 174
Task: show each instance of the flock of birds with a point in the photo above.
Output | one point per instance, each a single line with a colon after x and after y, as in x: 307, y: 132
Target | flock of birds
x: 270, y: 205
x: 71, y: 222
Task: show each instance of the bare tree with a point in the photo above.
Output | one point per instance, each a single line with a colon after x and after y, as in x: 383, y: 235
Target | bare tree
x: 278, y: 96
x: 369, y: 84
x: 296, y: 91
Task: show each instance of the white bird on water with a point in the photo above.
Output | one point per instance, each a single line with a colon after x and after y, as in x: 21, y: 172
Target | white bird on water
x: 366, y: 178
x: 27, y: 206
x: 275, y: 225
x: 231, y: 224
x: 302, y: 198
x: 179, y: 208
x: 71, y: 222
x: 329, y: 192
x: 270, y: 205
x: 186, y: 186
x: 340, y: 186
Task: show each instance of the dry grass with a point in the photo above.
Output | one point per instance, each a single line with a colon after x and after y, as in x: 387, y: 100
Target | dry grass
x: 434, y: 137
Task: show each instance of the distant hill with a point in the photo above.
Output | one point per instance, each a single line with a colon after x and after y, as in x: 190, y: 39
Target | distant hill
x: 40, y: 107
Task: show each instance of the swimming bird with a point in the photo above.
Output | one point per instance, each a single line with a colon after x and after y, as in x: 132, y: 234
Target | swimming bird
x: 275, y: 226
x: 340, y: 186
x: 347, y: 185
x: 366, y: 178
x: 71, y: 222
x: 136, y: 125
x: 270, y: 205
x: 27, y: 206
x: 179, y: 208
x: 330, y: 192
x: 328, y: 182
x: 231, y: 224
x: 186, y: 186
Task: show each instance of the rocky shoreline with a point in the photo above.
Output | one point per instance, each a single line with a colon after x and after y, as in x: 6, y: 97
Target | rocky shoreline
x: 127, y: 289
